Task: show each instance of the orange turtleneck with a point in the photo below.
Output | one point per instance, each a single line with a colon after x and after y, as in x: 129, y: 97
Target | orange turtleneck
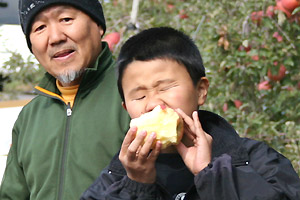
x: 68, y: 93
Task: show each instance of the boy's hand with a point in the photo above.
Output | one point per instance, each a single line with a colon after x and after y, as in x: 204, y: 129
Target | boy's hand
x: 138, y: 159
x: 198, y: 155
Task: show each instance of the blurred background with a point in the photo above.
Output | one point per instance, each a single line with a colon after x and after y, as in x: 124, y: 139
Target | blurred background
x: 250, y: 49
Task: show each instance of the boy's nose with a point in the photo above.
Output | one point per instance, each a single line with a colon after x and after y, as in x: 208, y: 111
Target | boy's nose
x: 153, y: 103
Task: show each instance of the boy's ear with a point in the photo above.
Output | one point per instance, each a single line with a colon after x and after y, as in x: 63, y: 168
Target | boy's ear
x: 124, y: 105
x: 202, y: 89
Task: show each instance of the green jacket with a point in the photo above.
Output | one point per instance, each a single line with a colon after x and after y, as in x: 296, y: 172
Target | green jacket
x: 56, y: 152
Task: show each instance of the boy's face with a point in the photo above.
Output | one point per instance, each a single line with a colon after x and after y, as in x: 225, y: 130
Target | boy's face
x: 147, y: 84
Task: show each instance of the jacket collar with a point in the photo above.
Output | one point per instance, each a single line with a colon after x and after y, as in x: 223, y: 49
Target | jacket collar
x: 225, y: 138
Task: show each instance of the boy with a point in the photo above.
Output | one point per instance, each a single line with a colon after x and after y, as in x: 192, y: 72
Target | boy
x: 162, y: 66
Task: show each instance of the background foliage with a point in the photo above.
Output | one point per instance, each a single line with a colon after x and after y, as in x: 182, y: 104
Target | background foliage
x: 240, y: 42
x: 238, y: 47
x: 23, y: 74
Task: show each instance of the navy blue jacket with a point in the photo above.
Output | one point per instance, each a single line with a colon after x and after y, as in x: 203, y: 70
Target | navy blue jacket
x: 241, y: 168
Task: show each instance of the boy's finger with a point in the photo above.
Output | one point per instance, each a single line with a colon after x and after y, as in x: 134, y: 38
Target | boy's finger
x: 188, y: 122
x: 133, y: 148
x: 189, y: 128
x: 144, y: 152
x: 199, y: 131
x: 129, y: 137
x: 182, y: 150
x: 185, y: 117
x: 155, y: 152
x: 188, y: 133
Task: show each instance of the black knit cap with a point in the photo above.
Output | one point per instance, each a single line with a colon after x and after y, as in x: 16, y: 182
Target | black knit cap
x: 28, y: 9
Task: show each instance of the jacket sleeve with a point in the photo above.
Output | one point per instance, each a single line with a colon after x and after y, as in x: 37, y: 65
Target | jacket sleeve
x: 13, y: 184
x: 111, y: 186
x: 268, y: 176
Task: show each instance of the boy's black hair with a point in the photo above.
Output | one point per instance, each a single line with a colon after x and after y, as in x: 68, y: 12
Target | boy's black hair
x: 161, y: 43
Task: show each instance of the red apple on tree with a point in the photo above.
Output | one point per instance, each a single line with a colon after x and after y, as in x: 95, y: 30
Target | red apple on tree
x: 270, y: 11
x: 280, y: 74
x: 255, y: 57
x: 256, y: 17
x: 279, y: 6
x: 170, y: 7
x: 290, y: 5
x: 278, y: 36
x: 115, y: 2
x: 264, y: 85
x: 237, y: 103
x: 112, y: 39
x: 243, y: 48
x: 225, y: 107
x: 182, y: 14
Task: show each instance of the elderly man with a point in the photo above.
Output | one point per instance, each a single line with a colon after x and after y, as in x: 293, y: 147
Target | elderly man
x: 66, y: 135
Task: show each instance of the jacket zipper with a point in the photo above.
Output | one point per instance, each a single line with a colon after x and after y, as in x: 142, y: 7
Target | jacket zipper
x: 46, y: 93
x: 62, y: 169
x: 240, y: 163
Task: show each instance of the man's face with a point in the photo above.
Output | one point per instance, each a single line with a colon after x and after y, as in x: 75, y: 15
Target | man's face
x: 147, y: 84
x: 65, y: 40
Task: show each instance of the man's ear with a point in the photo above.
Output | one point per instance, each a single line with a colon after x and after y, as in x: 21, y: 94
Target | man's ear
x: 202, y: 89
x: 101, y: 31
x: 124, y: 105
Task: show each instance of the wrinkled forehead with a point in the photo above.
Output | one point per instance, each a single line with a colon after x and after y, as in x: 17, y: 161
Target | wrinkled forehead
x: 29, y: 11
x: 55, y: 10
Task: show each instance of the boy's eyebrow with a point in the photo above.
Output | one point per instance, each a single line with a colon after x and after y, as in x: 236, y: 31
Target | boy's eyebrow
x: 136, y: 89
x: 157, y: 83
x: 163, y: 81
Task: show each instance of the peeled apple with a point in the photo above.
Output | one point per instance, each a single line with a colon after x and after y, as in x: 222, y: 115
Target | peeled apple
x: 165, y: 122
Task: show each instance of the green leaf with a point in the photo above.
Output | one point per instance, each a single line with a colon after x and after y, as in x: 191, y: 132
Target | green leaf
x: 296, y: 10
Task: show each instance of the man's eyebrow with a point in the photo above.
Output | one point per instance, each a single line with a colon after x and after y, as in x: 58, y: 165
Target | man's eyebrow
x: 58, y: 11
